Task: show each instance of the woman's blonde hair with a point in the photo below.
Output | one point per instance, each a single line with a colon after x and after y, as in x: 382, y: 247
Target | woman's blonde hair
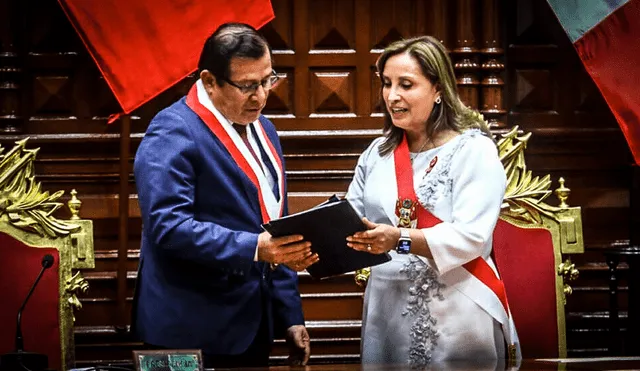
x: 436, y: 66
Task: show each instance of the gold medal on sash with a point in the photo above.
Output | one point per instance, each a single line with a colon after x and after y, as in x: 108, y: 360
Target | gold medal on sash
x: 406, y: 212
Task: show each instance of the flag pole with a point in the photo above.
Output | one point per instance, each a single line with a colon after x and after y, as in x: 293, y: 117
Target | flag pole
x: 123, y: 219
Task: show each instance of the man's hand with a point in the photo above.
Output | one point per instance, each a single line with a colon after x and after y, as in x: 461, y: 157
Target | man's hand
x: 283, y: 250
x: 299, y: 345
x: 301, y: 265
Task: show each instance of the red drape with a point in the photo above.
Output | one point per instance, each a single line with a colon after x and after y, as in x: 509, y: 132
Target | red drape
x: 143, y: 47
x: 19, y: 267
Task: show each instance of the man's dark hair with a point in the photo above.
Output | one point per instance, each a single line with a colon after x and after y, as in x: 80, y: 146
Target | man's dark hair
x: 228, y: 41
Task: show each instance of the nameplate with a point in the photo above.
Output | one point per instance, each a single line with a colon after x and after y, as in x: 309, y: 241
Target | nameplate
x: 168, y: 359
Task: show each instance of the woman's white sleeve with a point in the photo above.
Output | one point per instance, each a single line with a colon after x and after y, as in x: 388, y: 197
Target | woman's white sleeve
x: 355, y: 193
x: 479, y: 183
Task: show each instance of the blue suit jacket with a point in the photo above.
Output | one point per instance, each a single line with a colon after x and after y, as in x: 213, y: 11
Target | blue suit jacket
x: 198, y: 286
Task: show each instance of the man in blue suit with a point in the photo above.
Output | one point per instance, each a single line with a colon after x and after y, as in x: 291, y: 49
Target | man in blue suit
x: 209, y: 171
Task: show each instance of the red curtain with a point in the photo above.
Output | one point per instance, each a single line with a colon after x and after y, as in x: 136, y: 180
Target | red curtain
x: 143, y: 47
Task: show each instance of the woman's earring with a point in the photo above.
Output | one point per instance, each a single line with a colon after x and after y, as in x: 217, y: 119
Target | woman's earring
x: 438, y: 100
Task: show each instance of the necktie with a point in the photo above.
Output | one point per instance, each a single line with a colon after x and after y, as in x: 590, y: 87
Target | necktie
x: 242, y: 130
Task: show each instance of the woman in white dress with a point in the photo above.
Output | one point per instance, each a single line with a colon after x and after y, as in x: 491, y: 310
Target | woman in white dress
x: 430, y: 191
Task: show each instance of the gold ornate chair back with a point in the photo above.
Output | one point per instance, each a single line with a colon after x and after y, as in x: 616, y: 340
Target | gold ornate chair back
x: 28, y: 232
x: 529, y: 242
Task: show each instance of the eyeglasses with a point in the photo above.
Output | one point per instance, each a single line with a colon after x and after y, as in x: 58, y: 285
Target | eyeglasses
x: 249, y: 89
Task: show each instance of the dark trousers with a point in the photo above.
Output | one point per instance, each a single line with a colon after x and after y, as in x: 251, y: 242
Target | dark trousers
x: 257, y: 355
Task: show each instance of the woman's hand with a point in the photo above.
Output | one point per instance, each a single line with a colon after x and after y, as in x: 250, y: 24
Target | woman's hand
x: 379, y: 238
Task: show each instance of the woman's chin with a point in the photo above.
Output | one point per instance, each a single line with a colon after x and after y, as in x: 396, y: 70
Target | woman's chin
x: 400, y: 123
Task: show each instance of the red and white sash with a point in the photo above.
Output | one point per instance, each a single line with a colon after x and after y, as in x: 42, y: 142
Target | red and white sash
x: 270, y: 208
x: 478, y: 267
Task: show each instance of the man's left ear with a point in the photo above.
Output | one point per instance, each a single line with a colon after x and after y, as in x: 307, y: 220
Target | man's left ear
x: 207, y: 78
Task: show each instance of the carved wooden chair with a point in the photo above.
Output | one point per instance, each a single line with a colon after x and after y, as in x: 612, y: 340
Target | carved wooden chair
x: 28, y: 232
x: 529, y: 242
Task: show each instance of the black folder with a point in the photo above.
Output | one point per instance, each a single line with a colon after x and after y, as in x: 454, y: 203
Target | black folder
x: 327, y: 226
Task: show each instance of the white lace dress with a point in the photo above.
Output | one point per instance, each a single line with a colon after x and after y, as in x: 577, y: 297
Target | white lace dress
x: 416, y: 310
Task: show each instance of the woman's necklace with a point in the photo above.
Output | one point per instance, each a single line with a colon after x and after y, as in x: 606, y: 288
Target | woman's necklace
x: 412, y: 156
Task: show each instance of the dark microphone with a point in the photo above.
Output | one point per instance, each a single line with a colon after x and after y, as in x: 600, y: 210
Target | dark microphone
x: 47, y: 262
x: 20, y: 359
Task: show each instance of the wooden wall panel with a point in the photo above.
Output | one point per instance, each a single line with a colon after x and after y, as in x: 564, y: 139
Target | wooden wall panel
x: 513, y: 62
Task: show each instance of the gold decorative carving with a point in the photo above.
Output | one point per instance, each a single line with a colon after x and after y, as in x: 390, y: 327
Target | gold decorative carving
x: 524, y: 201
x: 22, y: 202
x: 524, y: 196
x: 567, y: 270
x: 562, y: 193
x: 362, y: 276
x: 74, y: 205
x: 73, y: 286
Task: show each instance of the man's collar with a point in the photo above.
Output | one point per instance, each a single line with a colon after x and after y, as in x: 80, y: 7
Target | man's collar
x: 204, y: 99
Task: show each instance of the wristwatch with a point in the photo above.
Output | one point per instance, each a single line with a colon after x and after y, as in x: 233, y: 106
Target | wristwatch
x: 404, y: 242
